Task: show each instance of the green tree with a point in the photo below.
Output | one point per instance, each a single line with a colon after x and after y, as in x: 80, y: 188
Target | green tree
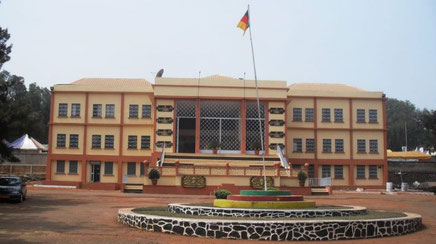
x: 5, y: 49
x: 429, y: 123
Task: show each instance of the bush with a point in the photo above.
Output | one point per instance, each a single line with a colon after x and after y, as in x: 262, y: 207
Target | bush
x: 302, y: 176
x: 256, y: 145
x: 154, y: 174
x: 222, y: 194
x: 270, y: 188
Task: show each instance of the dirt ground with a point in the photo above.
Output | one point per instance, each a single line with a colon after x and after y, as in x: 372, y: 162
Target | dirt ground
x: 86, y: 216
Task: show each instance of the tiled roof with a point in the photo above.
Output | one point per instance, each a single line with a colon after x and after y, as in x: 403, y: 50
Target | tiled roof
x: 107, y: 84
x: 330, y: 90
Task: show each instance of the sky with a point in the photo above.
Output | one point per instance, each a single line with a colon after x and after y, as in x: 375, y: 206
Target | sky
x: 383, y: 45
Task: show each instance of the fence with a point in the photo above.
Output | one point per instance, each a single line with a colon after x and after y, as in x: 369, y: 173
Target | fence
x: 318, y: 182
x: 33, y: 170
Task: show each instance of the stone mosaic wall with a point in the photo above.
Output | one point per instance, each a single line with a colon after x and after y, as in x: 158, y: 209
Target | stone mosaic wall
x: 274, y: 230
x: 264, y: 213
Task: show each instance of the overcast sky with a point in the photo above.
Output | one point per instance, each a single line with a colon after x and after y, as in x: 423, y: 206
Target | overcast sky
x: 387, y: 46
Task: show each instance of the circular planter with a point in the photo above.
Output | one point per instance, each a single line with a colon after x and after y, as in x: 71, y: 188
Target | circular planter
x: 264, y: 193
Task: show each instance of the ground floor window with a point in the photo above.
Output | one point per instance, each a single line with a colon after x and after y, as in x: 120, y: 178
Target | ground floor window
x: 339, y: 171
x: 360, y: 172
x: 311, y: 171
x: 373, y: 172
x: 141, y: 169
x: 108, y: 168
x: 60, y: 166
x: 131, y: 168
x: 326, y: 171
x: 72, y: 167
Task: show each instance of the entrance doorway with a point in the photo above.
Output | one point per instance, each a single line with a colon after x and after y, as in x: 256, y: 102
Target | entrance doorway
x: 95, y: 171
x: 186, y: 135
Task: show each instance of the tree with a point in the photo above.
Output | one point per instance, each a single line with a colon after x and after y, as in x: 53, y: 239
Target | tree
x: 5, y: 49
x: 429, y: 123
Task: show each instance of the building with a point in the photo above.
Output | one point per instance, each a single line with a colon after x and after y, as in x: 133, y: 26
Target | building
x: 107, y: 133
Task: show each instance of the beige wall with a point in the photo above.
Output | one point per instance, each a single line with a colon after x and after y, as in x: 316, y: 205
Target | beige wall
x: 276, y: 128
x: 103, y: 99
x: 69, y: 98
x: 368, y: 104
x: 368, y: 135
x: 102, y: 131
x: 67, y: 176
x: 336, y: 181
x: 328, y: 134
x: 138, y: 131
x: 165, y: 126
x: 67, y: 130
x: 332, y: 104
x: 303, y: 134
x: 369, y: 182
x: 138, y: 99
x: 302, y: 103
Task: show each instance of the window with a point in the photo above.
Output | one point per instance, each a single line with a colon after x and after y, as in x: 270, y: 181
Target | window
x: 326, y: 171
x: 74, y: 140
x: 361, y: 146
x: 298, y: 147
x: 361, y: 115
x: 131, y: 168
x: 373, y: 146
x: 360, y: 171
x: 373, y: 115
x: 60, y: 142
x: 75, y: 110
x: 339, y: 171
x: 296, y: 166
x: 96, y: 141
x: 108, y: 168
x: 145, y: 142
x: 311, y: 172
x: 108, y: 141
x: 60, y: 166
x: 339, y: 145
x: 132, y: 142
x: 297, y: 114
x: 146, y: 111
x: 373, y: 172
x: 110, y: 110
x: 310, y: 145
x: 133, y: 111
x: 326, y: 145
x: 96, y: 110
x: 141, y: 169
x: 326, y: 115
x: 339, y: 115
x: 73, y: 167
x: 63, y: 109
x: 309, y: 114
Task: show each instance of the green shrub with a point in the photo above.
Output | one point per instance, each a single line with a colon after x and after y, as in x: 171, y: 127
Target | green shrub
x: 214, y: 145
x: 302, y: 176
x: 222, y: 194
x: 256, y: 145
x: 154, y: 174
x: 271, y: 188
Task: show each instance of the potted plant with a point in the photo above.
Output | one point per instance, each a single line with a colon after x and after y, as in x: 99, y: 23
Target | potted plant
x: 302, y: 178
x: 154, y: 175
x: 214, y: 145
x: 256, y: 147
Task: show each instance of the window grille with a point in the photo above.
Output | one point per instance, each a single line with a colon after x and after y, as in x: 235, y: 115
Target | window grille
x: 185, y: 108
x: 131, y: 168
x: 297, y: 114
x: 146, y: 111
x: 373, y: 172
x: 373, y: 115
x: 108, y: 141
x: 373, y: 145
x: 339, y: 145
x: 298, y: 147
x: 63, y: 109
x: 145, y: 142
x: 361, y: 115
x: 326, y: 145
x: 132, y: 142
x: 108, y: 168
x: 60, y: 166
x: 339, y: 115
x: 361, y: 146
x: 96, y: 141
x: 326, y: 171
x: 310, y: 145
x: 96, y: 110
x: 252, y: 124
x: 326, y: 115
x: 75, y: 110
x: 309, y: 114
x: 60, y: 140
x: 360, y: 172
x: 339, y: 171
x: 74, y: 140
x: 133, y: 111
x: 110, y: 110
x: 72, y: 167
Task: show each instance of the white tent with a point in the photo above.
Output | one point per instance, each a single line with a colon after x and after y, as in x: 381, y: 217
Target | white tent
x: 27, y: 143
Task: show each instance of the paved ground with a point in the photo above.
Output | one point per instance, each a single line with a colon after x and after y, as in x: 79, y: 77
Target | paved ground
x: 85, y: 216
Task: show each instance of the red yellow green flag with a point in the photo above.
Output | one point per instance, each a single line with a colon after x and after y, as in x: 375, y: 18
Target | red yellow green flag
x: 244, y: 23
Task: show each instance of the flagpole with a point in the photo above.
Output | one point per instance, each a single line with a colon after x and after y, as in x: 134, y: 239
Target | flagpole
x: 258, y: 103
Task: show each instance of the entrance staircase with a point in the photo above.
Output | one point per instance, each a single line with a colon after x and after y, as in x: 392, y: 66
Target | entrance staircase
x: 133, y: 188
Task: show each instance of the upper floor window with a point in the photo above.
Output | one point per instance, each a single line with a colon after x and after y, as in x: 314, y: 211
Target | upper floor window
x: 298, y: 147
x: 146, y: 111
x: 373, y: 172
x: 361, y: 115
x: 326, y: 171
x: 326, y: 145
x: 145, y: 142
x: 108, y: 141
x: 75, y: 110
x: 339, y: 171
x: 339, y: 115
x: 373, y: 146
x: 60, y: 166
x: 96, y: 141
x: 72, y: 167
x: 297, y: 114
x: 310, y: 145
x: 63, y: 109
x: 132, y: 142
x: 326, y: 115
x: 96, y: 110
x: 133, y: 111
x: 339, y: 145
x: 361, y: 145
x: 373, y: 115
x: 74, y: 140
x: 360, y: 172
x: 110, y: 110
x: 309, y: 114
x: 60, y: 140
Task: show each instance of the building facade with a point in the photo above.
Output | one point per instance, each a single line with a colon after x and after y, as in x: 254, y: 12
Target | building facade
x: 108, y: 133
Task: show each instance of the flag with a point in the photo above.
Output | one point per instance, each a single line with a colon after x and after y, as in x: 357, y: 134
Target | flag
x: 244, y: 23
